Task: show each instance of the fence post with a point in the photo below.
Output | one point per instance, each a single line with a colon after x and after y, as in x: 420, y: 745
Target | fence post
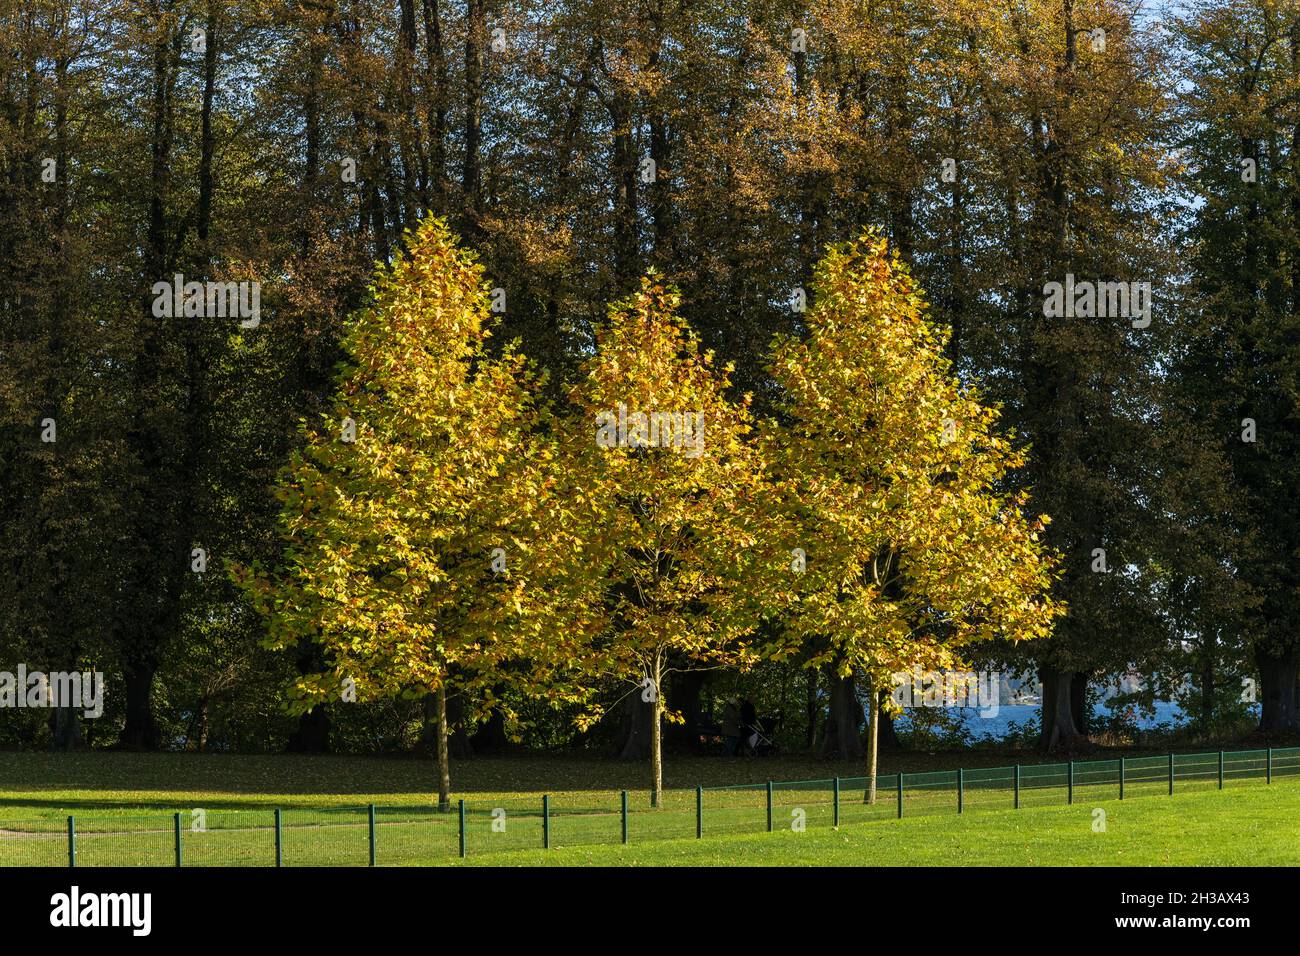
x: 837, y: 802
x: 1171, y: 774
x: 176, y: 822
x: 279, y: 839
x: 624, y: 816
x: 900, y: 794
x: 1069, y: 783
x: 546, y: 821
x: 961, y: 781
x: 1017, y: 787
x: 1269, y: 767
x: 72, y: 842
x: 699, y: 812
x: 769, y: 806
x: 461, y: 808
x: 1220, y: 769
x: 371, y: 812
x: 1121, y: 778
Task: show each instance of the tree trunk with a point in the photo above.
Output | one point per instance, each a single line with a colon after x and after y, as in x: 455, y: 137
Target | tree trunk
x: 873, y: 715
x: 199, y: 736
x: 1295, y: 168
x: 311, y: 153
x: 636, y: 746
x: 444, y: 757
x: 1059, y: 727
x: 688, y: 686
x: 65, y: 722
x: 471, y: 182
x: 436, y: 86
x: 1278, y: 671
x: 140, y: 731
x: 624, y: 174
x: 1208, y: 651
x: 206, y: 139
x: 901, y: 214
x: 149, y: 607
x: 1079, y: 702
x: 415, y: 167
x: 888, y: 735
x: 842, y: 737
x: 312, y: 735
x: 656, y: 737
x: 955, y: 277
x: 491, y: 736
x: 812, y: 711
x: 459, y: 745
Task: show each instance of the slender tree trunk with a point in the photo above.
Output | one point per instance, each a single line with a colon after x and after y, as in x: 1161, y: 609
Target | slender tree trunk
x: 471, y: 182
x: 311, y: 156
x: 1295, y: 167
x: 873, y: 718
x: 206, y: 139
x: 1208, y: 652
x: 444, y: 757
x: 435, y: 92
x: 626, y: 237
x: 660, y: 204
x: 810, y: 734
x: 656, y: 736
x: 809, y: 218
x: 66, y: 720
x: 956, y: 228
x: 146, y: 608
x: 415, y: 168
x: 200, y: 733
x: 901, y: 214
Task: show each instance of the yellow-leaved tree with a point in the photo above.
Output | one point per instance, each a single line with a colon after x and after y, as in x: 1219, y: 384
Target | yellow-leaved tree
x: 661, y: 467
x: 890, y: 476
x: 411, y: 514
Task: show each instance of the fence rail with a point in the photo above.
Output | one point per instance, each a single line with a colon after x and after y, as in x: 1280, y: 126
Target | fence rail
x: 374, y: 835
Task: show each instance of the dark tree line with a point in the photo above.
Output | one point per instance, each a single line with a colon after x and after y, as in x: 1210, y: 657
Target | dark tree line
x: 575, y: 145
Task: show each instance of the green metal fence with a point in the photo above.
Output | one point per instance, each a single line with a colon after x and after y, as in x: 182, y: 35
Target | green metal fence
x: 392, y: 835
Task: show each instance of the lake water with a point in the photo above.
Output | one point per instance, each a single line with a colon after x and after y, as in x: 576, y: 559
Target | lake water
x: 981, y: 727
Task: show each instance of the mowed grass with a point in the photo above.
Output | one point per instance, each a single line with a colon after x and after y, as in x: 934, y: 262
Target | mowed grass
x: 124, y: 806
x: 1236, y: 827
x: 106, y: 782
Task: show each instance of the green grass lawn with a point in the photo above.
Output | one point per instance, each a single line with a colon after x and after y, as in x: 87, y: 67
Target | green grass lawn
x: 124, y: 806
x: 1236, y: 827
x: 105, y: 781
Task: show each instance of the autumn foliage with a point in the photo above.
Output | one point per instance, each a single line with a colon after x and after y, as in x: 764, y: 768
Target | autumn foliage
x: 444, y: 530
